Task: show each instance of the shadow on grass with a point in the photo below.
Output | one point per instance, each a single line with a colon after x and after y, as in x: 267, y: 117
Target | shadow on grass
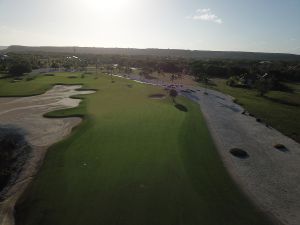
x: 181, y: 107
x: 281, y: 101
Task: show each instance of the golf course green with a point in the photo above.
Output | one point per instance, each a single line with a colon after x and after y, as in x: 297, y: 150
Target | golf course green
x: 133, y: 160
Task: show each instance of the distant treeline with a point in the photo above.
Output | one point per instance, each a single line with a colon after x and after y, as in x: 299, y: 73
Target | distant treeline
x: 173, y: 53
x: 19, y: 63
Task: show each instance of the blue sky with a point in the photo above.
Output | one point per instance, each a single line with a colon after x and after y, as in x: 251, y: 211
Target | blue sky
x: 237, y: 25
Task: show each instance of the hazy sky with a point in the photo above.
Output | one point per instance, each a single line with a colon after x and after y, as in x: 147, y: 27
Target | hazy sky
x: 239, y: 25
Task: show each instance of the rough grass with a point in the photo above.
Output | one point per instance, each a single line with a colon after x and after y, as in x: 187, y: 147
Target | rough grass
x: 133, y: 161
x: 279, y: 109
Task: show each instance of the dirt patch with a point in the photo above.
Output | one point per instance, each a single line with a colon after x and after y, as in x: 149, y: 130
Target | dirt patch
x: 157, y: 96
x: 40, y: 132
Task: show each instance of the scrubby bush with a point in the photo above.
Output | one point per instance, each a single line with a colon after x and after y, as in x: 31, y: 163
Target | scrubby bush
x: 263, y: 85
x: 173, y: 94
x: 232, y: 81
x: 30, y: 78
x: 13, y: 153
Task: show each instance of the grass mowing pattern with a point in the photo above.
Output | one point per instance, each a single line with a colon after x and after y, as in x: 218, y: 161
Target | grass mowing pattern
x: 133, y: 161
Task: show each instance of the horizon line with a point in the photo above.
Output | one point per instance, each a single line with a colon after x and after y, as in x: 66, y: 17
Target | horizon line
x: 138, y: 48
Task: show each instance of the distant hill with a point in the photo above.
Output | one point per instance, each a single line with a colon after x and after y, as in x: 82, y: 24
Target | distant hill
x: 2, y: 47
x: 157, y: 52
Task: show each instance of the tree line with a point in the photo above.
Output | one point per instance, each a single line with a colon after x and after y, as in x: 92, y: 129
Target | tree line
x: 239, y: 72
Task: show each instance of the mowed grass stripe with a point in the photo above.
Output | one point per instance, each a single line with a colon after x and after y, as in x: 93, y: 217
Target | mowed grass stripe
x: 136, y: 161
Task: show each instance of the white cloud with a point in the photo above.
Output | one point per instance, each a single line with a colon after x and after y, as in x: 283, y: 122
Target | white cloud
x: 206, y: 15
x: 203, y: 10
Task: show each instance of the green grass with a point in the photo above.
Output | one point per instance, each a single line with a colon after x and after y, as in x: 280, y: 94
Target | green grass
x: 133, y: 161
x: 279, y: 109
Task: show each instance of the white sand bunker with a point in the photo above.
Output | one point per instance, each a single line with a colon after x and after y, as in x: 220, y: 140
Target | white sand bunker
x: 27, y: 113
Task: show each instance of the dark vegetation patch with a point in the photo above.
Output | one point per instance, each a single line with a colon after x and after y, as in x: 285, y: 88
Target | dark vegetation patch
x: 149, y: 77
x: 29, y: 78
x: 281, y: 147
x: 282, y: 101
x: 157, y: 96
x: 86, y: 89
x: 129, y: 85
x: 49, y: 74
x: 72, y: 77
x: 239, y: 153
x: 258, y: 120
x: 14, y: 150
x: 68, y: 84
x: 181, y: 107
x: 188, y: 91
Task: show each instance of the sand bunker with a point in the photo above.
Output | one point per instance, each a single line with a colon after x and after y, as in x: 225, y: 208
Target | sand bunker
x: 270, y: 174
x: 27, y: 113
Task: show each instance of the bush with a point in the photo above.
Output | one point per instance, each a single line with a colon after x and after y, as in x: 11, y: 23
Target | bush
x: 232, y: 81
x: 263, y: 85
x: 173, y: 94
x: 18, y: 68
x: 29, y: 78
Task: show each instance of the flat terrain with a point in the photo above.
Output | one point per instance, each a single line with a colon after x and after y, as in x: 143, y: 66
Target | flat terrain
x: 268, y: 175
x: 134, y: 160
x: 279, y: 109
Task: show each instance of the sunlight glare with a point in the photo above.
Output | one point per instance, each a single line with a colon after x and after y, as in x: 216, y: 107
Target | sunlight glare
x: 106, y: 6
